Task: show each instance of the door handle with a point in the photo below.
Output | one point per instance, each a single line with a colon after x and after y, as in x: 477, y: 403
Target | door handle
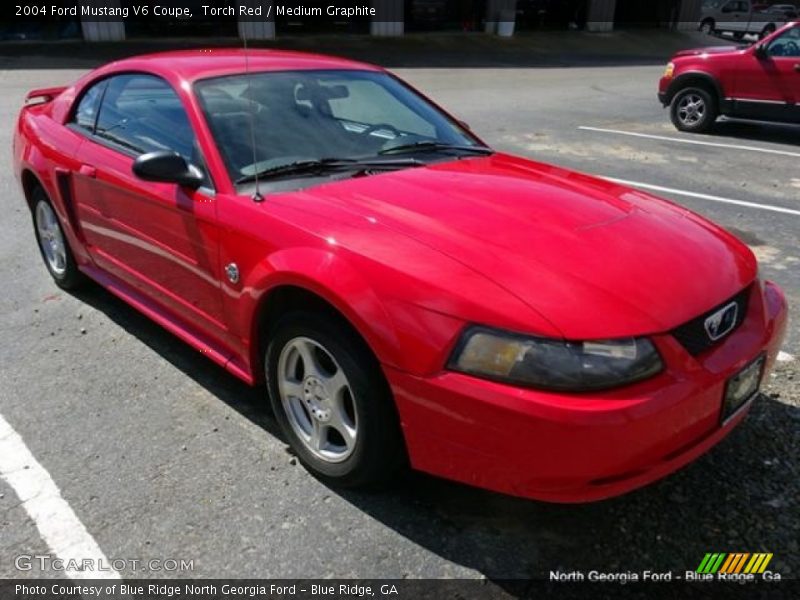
x: 88, y: 171
x: 797, y: 67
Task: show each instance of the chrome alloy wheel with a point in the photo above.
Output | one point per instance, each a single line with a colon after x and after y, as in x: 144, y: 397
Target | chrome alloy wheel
x: 51, y: 239
x: 691, y: 109
x: 317, y: 399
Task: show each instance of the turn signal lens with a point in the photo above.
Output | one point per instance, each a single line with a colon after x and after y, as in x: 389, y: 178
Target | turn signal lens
x: 486, y: 353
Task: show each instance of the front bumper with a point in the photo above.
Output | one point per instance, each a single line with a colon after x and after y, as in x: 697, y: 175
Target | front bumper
x: 663, y: 90
x: 583, y: 447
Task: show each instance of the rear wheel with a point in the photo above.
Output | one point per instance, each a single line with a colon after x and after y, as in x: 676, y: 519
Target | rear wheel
x: 332, y: 401
x: 53, y: 243
x: 707, y: 27
x: 693, y: 110
x: 767, y: 31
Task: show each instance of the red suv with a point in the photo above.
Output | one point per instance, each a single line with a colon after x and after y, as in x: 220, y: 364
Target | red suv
x: 756, y: 82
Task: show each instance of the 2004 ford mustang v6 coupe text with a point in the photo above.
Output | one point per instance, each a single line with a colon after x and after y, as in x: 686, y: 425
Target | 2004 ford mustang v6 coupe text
x: 408, y: 295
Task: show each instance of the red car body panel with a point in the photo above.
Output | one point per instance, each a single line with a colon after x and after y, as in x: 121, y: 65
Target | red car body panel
x: 746, y: 85
x: 411, y: 258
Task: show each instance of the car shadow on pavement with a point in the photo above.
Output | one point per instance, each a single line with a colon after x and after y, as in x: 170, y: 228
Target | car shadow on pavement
x: 758, y: 131
x: 249, y: 401
x: 740, y: 497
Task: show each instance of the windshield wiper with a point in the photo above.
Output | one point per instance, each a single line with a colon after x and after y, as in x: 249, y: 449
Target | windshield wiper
x: 432, y: 146
x: 323, y: 165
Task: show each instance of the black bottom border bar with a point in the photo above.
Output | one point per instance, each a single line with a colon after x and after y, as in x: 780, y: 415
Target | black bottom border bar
x: 389, y: 589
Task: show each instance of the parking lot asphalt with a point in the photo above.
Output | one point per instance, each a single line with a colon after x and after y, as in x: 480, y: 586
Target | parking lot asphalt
x: 160, y: 454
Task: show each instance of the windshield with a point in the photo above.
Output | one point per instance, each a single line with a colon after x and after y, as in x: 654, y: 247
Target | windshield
x: 264, y: 121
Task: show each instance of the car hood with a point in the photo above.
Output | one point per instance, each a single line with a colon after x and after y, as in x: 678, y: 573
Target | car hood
x: 710, y: 50
x: 594, y: 258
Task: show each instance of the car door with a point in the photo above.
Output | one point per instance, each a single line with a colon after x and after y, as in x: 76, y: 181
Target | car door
x: 734, y: 16
x: 160, y: 238
x: 767, y: 82
x: 87, y: 206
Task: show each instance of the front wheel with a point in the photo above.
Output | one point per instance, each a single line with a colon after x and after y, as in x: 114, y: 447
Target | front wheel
x: 53, y: 244
x: 707, y: 27
x: 693, y: 110
x: 332, y: 401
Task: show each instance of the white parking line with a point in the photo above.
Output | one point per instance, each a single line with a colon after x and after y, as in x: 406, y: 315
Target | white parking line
x: 58, y: 525
x: 695, y: 142
x: 666, y: 190
x: 785, y: 357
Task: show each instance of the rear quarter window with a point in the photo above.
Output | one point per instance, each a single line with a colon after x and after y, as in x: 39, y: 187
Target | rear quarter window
x: 86, y: 110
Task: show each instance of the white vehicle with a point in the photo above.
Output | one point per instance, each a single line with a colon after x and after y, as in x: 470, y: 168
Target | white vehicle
x: 789, y: 10
x: 739, y: 18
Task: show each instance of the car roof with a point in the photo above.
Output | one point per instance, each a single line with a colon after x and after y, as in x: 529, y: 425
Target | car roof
x: 202, y: 63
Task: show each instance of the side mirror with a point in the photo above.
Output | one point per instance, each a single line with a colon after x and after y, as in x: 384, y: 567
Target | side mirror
x: 167, y: 167
x: 760, y: 52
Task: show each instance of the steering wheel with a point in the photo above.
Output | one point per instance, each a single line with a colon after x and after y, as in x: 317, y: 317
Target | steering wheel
x: 382, y: 127
x: 791, y: 49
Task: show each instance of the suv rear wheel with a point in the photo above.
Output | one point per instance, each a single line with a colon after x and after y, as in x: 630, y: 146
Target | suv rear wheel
x: 694, y: 110
x: 707, y: 27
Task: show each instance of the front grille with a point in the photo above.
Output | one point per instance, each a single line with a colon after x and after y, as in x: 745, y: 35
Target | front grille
x: 693, y: 335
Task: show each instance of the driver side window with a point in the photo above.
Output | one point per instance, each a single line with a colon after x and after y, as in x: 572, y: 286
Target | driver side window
x: 786, y: 45
x: 142, y: 113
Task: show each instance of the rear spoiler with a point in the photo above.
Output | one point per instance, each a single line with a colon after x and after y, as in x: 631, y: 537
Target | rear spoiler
x: 44, y: 94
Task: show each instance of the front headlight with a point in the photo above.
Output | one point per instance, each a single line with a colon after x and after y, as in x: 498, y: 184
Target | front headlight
x: 554, y: 364
x: 670, y: 70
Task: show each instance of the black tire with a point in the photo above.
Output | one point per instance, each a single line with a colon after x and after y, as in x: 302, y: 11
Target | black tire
x: 697, y: 120
x: 379, y: 452
x: 69, y: 276
x: 767, y: 31
x: 708, y: 26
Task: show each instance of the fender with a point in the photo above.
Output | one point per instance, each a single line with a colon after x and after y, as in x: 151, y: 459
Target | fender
x: 34, y: 159
x: 681, y: 81
x: 326, y: 274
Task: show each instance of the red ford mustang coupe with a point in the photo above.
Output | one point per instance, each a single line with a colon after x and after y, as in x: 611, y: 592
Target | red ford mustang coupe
x: 408, y: 295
